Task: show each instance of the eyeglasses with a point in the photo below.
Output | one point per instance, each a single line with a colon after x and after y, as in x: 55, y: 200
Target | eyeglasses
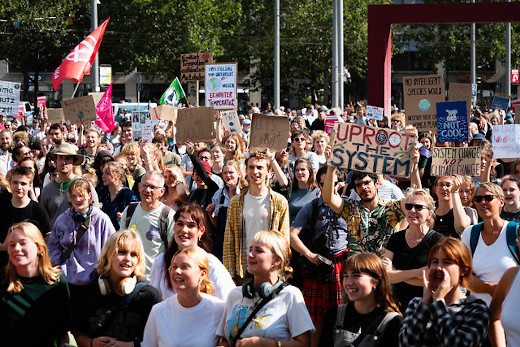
x: 479, y: 198
x: 149, y: 186
x: 364, y: 183
x: 299, y: 139
x: 417, y: 207
x: 444, y: 185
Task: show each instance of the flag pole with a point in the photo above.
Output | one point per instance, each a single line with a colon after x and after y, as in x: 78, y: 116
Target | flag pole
x: 75, y: 89
x: 186, y: 97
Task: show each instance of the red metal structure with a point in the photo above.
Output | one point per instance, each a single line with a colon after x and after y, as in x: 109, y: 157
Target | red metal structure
x: 381, y: 18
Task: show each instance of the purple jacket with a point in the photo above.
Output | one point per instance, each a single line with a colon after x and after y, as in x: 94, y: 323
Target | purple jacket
x: 79, y: 268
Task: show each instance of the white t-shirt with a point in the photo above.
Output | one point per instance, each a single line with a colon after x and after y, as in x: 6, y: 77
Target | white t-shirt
x: 282, y: 318
x: 489, y: 262
x: 171, y: 324
x: 147, y: 225
x: 218, y: 274
x: 256, y: 214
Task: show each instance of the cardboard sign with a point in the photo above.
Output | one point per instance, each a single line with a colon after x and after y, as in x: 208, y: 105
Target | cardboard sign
x: 506, y: 141
x: 461, y: 92
x: 231, y: 121
x: 80, y: 110
x: 221, y: 86
x: 421, y: 94
x: 449, y: 161
x: 192, y: 66
x: 165, y: 112
x: 142, y: 127
x: 9, y: 98
x: 269, y: 132
x: 41, y: 101
x: 374, y: 112
x: 500, y: 103
x: 196, y: 124
x: 55, y: 115
x: 370, y: 149
x: 452, y: 121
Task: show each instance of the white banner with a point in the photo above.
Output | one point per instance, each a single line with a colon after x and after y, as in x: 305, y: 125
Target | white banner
x: 9, y: 97
x: 506, y: 141
x: 221, y: 86
x: 142, y: 126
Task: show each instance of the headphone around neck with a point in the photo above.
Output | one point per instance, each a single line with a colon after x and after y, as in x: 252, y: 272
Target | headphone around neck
x: 126, y: 286
x: 266, y: 289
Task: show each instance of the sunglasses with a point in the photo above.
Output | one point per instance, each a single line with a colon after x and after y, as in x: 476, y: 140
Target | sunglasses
x: 299, y: 139
x: 479, y: 198
x: 417, y: 207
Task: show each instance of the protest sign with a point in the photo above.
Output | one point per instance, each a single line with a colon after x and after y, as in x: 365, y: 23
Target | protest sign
x: 196, y: 124
x: 80, y: 110
x: 461, y: 92
x: 370, y: 149
x: 449, y: 161
x: 452, y: 121
x: 268, y: 132
x: 41, y: 101
x: 9, y: 98
x: 142, y: 127
x: 231, y: 121
x: 506, y: 141
x: 374, y: 112
x: 221, y: 86
x: 421, y: 94
x: 55, y: 115
x: 517, y: 114
x: 329, y: 123
x: 165, y: 112
x: 192, y: 66
x: 500, y: 103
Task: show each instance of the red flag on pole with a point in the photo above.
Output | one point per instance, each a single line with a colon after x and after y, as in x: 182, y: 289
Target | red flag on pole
x: 105, y: 114
x: 79, y: 61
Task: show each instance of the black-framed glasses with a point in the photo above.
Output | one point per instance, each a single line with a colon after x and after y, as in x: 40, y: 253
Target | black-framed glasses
x: 488, y: 198
x: 417, y: 207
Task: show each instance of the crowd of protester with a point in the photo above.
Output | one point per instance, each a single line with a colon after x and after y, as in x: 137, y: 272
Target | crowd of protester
x: 105, y: 241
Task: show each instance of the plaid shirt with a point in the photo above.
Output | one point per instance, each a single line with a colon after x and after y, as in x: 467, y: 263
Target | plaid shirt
x: 463, y: 323
x: 235, y: 250
x: 370, y: 230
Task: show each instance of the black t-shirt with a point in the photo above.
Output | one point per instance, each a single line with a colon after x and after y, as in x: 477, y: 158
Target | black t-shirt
x: 510, y: 216
x: 406, y: 258
x: 366, y: 323
x: 126, y: 324
x: 446, y: 225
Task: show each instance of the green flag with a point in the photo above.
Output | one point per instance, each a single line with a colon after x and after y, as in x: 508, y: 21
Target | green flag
x: 173, y: 94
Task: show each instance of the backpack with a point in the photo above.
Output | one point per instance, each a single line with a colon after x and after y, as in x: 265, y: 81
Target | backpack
x: 511, y: 236
x: 163, y: 220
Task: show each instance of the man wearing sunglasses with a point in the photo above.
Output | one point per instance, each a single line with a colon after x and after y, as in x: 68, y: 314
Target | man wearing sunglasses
x: 371, y: 220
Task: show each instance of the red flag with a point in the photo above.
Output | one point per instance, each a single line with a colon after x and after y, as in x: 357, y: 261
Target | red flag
x: 105, y: 115
x: 79, y: 61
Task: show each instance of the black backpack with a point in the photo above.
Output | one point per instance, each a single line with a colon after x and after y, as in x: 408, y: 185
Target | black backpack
x: 163, y: 220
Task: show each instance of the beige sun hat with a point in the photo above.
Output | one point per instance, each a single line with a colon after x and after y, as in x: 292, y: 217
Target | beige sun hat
x: 67, y: 149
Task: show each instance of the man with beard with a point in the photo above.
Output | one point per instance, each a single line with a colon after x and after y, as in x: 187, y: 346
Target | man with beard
x: 371, y: 220
x: 126, y: 135
x: 6, y: 158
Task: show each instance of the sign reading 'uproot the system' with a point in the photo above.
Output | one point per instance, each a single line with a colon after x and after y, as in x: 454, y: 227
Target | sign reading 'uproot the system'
x: 449, y: 161
x: 369, y: 149
x: 421, y: 93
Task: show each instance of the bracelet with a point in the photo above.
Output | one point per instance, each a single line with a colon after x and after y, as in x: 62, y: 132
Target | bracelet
x: 277, y: 343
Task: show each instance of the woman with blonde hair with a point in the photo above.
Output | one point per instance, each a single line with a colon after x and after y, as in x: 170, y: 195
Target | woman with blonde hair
x: 35, y: 297
x: 175, y: 184
x: 133, y: 154
x: 234, y: 149
x: 172, y: 321
x: 115, y: 306
x: 320, y: 140
x: 284, y: 316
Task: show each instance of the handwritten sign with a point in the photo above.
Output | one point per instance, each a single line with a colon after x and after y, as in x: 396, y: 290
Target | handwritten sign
x: 452, y: 121
x: 449, y: 161
x: 192, y: 66
x: 500, y: 103
x: 517, y: 114
x: 55, y: 115
x: 9, y: 98
x: 329, y: 123
x: 231, y: 121
x: 196, y: 124
x: 82, y: 109
x: 506, y: 141
x: 374, y: 112
x: 142, y: 127
x: 221, y: 86
x: 370, y: 149
x: 41, y: 101
x: 421, y: 94
x: 269, y: 132
x: 461, y: 92
x: 165, y: 112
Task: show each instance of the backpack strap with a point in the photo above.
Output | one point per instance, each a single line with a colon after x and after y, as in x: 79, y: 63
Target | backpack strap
x: 340, y: 316
x: 130, y: 212
x: 386, y: 319
x: 475, y: 233
x: 511, y: 237
x: 163, y: 225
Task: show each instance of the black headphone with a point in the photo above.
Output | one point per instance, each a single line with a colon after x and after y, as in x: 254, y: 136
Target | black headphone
x: 78, y: 216
x: 265, y: 289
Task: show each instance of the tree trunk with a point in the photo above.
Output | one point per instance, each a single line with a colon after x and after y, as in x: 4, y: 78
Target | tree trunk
x: 25, y: 86
x: 35, y: 99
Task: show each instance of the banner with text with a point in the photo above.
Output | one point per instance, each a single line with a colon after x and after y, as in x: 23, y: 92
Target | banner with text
x: 449, y: 161
x: 421, y: 94
x: 269, y: 132
x: 82, y: 109
x: 452, y: 121
x: 374, y: 112
x: 196, y: 124
x: 192, y: 66
x: 9, y: 98
x: 221, y: 86
x: 142, y: 127
x: 500, y: 103
x: 370, y: 149
x: 506, y: 141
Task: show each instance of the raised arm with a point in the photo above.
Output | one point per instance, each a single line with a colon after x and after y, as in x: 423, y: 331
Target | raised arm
x: 462, y: 220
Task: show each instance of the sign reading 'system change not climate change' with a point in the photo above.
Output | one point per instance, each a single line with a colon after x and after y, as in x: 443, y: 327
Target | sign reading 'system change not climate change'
x: 369, y: 149
x: 449, y: 161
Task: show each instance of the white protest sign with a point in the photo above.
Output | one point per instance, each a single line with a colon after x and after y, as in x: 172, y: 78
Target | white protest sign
x: 374, y: 112
x: 142, y: 127
x: 231, y: 121
x: 506, y: 141
x: 9, y: 98
x: 221, y: 86
x: 449, y: 161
